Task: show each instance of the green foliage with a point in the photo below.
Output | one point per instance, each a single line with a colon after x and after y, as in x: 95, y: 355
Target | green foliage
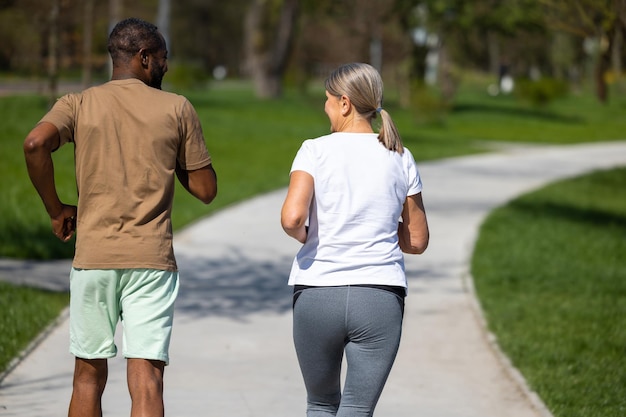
x: 25, y: 311
x: 19, y: 47
x: 427, y: 104
x: 542, y: 91
x: 549, y: 270
x: 187, y: 76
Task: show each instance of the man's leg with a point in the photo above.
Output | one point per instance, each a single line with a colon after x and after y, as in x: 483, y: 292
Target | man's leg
x: 145, y: 383
x: 148, y: 297
x: 94, y: 314
x: 90, y: 377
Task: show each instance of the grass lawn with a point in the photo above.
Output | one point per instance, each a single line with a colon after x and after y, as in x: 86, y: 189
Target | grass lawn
x: 25, y: 312
x: 253, y: 143
x: 549, y: 269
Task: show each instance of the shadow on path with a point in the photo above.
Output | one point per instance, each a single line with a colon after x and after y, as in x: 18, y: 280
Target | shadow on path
x: 233, y: 287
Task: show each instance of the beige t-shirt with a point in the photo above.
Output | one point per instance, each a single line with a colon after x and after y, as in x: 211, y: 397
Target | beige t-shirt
x: 128, y: 139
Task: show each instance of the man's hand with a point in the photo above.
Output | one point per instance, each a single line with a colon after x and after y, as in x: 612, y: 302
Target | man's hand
x: 64, y: 224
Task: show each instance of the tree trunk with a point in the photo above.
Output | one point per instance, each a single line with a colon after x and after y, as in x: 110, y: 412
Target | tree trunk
x: 115, y: 15
x: 163, y: 20
x: 376, y: 53
x: 603, y: 64
x: 53, y: 51
x: 87, y: 42
x: 447, y: 80
x: 616, y: 55
x: 267, y: 47
x: 493, y: 50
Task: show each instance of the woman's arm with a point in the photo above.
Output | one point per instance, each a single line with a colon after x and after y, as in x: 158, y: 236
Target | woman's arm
x: 413, y: 231
x: 295, y: 209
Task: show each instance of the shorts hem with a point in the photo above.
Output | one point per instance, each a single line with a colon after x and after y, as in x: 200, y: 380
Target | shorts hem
x: 82, y: 355
x: 161, y: 358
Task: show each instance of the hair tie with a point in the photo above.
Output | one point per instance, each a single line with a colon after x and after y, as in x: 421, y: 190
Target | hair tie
x: 379, y: 109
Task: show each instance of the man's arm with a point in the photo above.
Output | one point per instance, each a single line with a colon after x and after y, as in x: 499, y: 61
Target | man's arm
x: 201, y: 183
x: 38, y: 148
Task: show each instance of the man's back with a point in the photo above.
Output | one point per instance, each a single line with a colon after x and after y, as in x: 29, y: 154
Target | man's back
x: 128, y: 139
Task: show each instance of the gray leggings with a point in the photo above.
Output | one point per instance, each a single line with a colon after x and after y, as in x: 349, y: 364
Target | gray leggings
x: 367, y: 324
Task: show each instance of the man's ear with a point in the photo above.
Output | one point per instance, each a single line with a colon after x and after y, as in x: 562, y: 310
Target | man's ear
x: 144, y: 57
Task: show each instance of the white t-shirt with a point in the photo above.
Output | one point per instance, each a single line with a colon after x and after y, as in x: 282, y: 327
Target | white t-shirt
x: 360, y: 189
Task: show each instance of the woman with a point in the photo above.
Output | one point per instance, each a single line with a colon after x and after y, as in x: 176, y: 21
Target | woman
x: 346, y: 193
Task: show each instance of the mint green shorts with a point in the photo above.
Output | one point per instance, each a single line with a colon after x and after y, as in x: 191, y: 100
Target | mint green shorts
x: 142, y: 299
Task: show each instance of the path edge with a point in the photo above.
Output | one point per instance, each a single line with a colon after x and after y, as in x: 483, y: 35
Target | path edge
x: 43, y: 335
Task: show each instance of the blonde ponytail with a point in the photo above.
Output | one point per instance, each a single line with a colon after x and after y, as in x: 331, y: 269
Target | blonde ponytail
x: 364, y: 86
x: 388, y: 134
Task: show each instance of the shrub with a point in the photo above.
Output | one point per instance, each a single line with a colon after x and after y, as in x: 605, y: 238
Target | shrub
x: 428, y: 106
x: 186, y: 76
x: 542, y: 91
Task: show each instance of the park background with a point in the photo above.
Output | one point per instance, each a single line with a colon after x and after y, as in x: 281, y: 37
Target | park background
x: 461, y: 77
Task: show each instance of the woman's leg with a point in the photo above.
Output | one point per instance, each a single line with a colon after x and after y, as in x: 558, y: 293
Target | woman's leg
x: 319, y: 337
x: 374, y: 327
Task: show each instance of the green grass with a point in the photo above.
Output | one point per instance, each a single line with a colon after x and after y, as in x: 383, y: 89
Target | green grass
x: 25, y: 312
x: 25, y: 227
x: 253, y: 143
x: 550, y: 271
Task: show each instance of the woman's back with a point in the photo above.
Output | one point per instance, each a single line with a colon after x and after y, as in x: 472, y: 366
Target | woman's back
x: 359, y: 191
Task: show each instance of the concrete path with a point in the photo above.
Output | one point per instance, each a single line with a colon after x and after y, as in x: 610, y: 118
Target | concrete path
x: 232, y: 353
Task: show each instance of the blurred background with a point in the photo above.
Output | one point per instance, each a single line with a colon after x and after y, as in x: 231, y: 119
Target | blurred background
x: 537, y: 49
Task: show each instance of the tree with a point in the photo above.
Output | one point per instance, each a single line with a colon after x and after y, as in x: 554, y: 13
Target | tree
x: 53, y: 50
x: 163, y: 19
x: 115, y: 13
x: 482, y: 34
x: 595, y: 21
x: 88, y: 16
x: 269, y: 27
x: 618, y: 40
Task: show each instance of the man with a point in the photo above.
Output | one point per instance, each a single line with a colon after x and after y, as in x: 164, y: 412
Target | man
x: 130, y: 138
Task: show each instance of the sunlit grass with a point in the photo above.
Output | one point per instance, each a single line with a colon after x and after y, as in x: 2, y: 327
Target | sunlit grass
x: 550, y: 272
x: 546, y: 267
x: 25, y: 312
x: 253, y: 142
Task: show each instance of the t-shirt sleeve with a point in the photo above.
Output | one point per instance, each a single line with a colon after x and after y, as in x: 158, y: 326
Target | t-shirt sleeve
x: 63, y: 116
x: 413, y: 176
x: 304, y: 159
x: 193, y: 153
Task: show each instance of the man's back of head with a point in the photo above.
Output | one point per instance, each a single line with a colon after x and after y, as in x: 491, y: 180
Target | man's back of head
x: 131, y: 35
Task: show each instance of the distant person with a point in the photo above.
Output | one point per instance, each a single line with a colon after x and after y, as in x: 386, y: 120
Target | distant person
x: 346, y: 195
x: 130, y: 141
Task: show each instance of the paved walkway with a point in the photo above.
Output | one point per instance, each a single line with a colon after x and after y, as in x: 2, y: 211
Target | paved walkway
x: 232, y: 353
